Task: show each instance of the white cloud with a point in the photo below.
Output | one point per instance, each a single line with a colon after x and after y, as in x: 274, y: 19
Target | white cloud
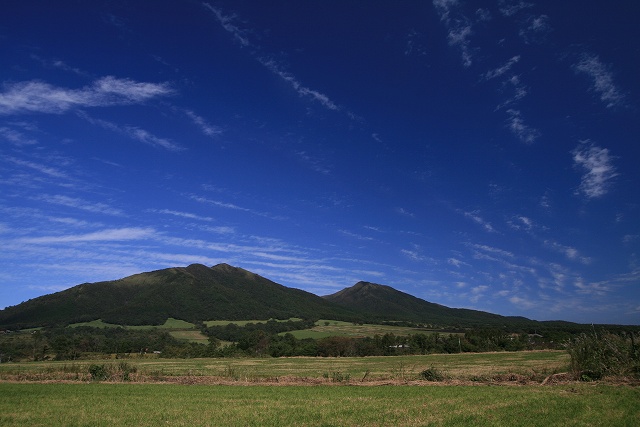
x: 39, y: 97
x: 219, y: 204
x: 227, y: 22
x: 503, y: 69
x: 456, y: 262
x: 521, y: 302
x: 355, y: 235
x: 133, y: 132
x: 46, y: 170
x: 526, y: 221
x: 323, y: 99
x: 115, y: 234
x: 491, y: 249
x: 479, y: 220
x: 459, y: 28
x: 95, y: 207
x: 516, y: 124
x: 204, y: 126
x: 568, y: 251
x: 538, y: 27
x: 459, y: 36
x: 16, y: 137
x: 184, y: 214
x: 403, y: 211
x: 601, y: 80
x: 148, y: 138
x: 510, y: 8
x: 598, y: 168
x: 591, y: 288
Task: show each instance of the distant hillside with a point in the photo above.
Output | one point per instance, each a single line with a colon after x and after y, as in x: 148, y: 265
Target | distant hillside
x: 193, y: 293
x: 222, y: 292
x: 380, y: 302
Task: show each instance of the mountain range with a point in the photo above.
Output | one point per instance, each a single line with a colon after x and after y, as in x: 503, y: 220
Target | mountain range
x: 199, y: 293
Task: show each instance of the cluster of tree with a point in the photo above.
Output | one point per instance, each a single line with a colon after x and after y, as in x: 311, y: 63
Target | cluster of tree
x: 233, y: 332
x: 74, y: 343
x: 273, y: 338
x: 258, y: 342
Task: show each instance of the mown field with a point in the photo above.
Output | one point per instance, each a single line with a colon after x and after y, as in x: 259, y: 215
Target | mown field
x: 475, y: 367
x: 100, y: 404
x: 488, y: 389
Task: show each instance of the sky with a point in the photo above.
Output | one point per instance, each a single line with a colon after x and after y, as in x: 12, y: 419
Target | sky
x: 475, y: 154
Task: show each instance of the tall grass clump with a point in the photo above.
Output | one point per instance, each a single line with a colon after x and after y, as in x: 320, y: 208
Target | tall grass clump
x: 597, y: 355
x: 120, y: 372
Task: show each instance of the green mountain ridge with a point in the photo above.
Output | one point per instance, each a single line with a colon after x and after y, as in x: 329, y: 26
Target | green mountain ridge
x: 383, y: 302
x: 198, y: 293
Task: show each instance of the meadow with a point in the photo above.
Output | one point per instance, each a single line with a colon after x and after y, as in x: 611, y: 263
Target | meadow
x: 523, y: 366
x: 100, y: 404
x: 489, y: 389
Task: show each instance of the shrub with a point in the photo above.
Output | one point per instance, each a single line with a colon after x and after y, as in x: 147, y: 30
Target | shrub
x: 126, y: 370
x: 432, y: 374
x: 98, y: 372
x: 594, y: 356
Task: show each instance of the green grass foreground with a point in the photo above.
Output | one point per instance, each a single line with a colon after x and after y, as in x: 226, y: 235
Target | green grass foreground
x: 99, y: 404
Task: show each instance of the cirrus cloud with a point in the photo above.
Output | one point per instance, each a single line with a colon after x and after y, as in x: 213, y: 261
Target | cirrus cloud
x: 39, y: 97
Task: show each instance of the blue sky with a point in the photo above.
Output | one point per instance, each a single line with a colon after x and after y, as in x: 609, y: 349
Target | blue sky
x: 473, y: 154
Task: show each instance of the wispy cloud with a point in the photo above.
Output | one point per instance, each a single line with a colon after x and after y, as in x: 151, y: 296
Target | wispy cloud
x: 323, y: 99
x: 184, y: 215
x: 404, y: 212
x: 457, y: 262
x: 601, y: 80
x: 219, y: 204
x: 206, y: 128
x: 595, y: 288
x: 149, y: 138
x: 229, y: 23
x: 232, y: 206
x: 475, y: 217
x: 46, y: 170
x: 492, y: 250
x: 521, y: 222
x: 40, y: 97
x: 570, y: 252
x: 135, y: 133
x: 510, y: 8
x: 356, y: 236
x: 492, y: 74
x: 114, y: 234
x: 95, y: 207
x: 598, y: 168
x: 537, y: 27
x: 516, y: 124
x: 458, y: 27
x: 315, y: 163
x: 16, y: 137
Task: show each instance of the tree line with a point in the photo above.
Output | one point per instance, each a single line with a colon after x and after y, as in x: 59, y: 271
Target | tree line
x: 270, y: 339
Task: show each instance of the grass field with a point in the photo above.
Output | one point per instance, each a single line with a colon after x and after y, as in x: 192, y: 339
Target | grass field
x: 331, y: 328
x: 170, y: 323
x: 474, y: 367
x: 244, y: 322
x: 481, y: 389
x: 322, y: 329
x: 139, y: 405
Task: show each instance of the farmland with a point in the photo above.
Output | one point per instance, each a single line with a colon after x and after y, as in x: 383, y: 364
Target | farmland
x: 493, y: 389
x: 522, y: 366
x: 153, y: 405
